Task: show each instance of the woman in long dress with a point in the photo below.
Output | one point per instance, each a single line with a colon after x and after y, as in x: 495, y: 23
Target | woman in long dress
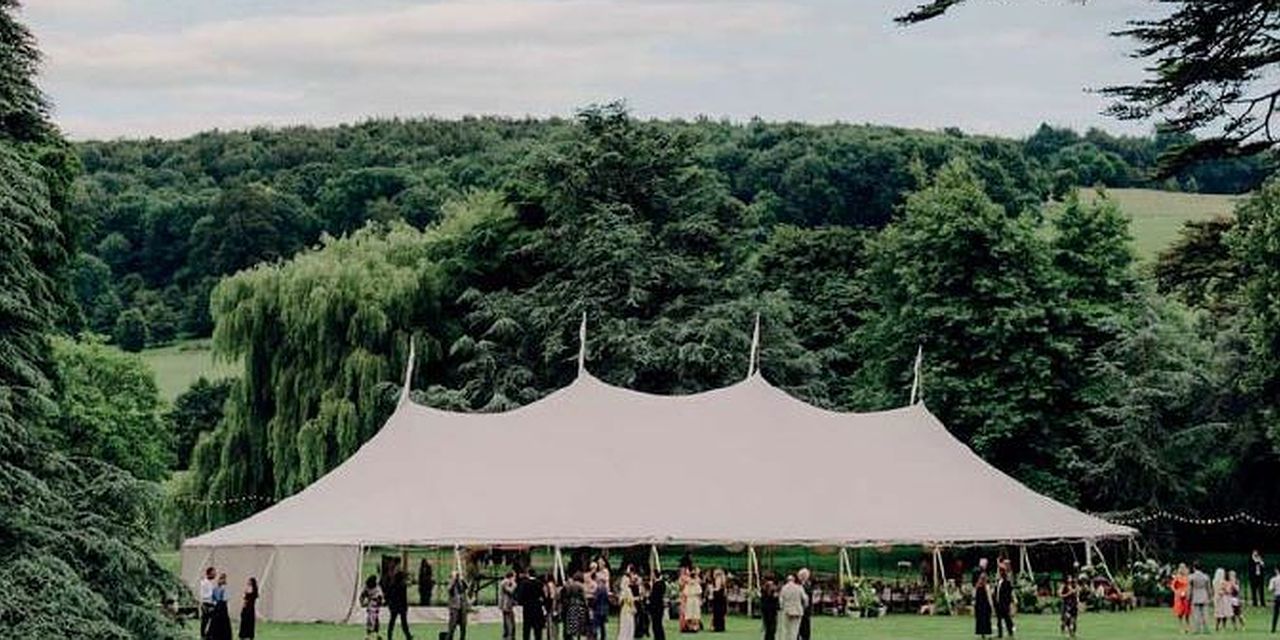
x: 248, y: 610
x: 1180, y: 585
x: 575, y: 608
x: 691, y: 605
x: 1237, y: 605
x: 719, y: 600
x: 1070, y: 596
x: 626, y: 610
x: 1221, y: 599
x: 983, y: 607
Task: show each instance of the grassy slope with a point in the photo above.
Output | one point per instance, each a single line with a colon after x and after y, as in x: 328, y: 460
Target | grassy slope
x: 1146, y: 623
x: 1159, y: 215
x: 180, y: 364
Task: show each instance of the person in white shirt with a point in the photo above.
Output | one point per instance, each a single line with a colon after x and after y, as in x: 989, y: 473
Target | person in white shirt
x: 1275, y: 599
x: 207, y: 584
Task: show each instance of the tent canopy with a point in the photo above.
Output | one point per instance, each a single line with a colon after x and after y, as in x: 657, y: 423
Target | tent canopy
x: 597, y: 465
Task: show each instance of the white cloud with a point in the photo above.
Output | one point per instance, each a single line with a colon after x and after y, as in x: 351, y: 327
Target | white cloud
x: 173, y: 67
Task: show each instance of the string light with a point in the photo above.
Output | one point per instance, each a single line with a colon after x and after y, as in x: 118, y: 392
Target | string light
x: 221, y: 502
x: 1137, y: 518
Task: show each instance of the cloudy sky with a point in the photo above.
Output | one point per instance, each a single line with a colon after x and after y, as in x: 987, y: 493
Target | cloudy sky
x: 173, y: 67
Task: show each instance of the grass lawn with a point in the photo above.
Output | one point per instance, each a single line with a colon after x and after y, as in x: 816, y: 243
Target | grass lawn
x: 1158, y: 216
x: 1145, y: 623
x: 179, y: 364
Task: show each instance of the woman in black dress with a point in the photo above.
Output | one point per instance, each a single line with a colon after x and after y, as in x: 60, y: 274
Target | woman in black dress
x: 769, y: 609
x: 249, y: 610
x: 982, y: 607
x: 719, y: 601
x: 576, y: 616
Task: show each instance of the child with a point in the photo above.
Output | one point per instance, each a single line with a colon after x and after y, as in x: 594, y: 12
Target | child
x: 1070, y: 595
x: 371, y: 600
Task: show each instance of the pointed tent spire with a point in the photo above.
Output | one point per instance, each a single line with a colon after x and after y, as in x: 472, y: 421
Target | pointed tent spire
x: 753, y: 362
x: 582, y: 345
x: 408, y: 373
x: 915, y: 378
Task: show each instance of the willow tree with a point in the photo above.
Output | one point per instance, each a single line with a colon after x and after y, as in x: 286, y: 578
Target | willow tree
x: 323, y: 339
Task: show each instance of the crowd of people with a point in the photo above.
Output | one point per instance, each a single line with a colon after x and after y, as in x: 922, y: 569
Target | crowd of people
x: 215, y: 616
x: 579, y: 606
x: 1197, y: 597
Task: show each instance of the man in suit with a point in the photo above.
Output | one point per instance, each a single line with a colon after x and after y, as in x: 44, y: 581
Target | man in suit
x: 1201, y: 598
x: 658, y: 606
x: 794, y: 603
x: 806, y: 622
x: 529, y: 595
x: 1257, y: 579
x: 1004, y: 601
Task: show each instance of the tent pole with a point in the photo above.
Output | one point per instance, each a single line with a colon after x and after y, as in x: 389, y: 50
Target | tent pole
x: 753, y: 576
x: 1103, y: 558
x: 915, y: 377
x: 754, y: 358
x: 1088, y: 553
x: 558, y: 559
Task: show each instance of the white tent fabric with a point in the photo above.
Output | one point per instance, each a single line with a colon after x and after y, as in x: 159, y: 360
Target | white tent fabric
x: 597, y: 465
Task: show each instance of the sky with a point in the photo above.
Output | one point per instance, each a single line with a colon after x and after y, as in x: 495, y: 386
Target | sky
x: 171, y: 68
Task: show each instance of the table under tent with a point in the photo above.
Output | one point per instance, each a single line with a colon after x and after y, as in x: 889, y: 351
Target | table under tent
x: 595, y: 465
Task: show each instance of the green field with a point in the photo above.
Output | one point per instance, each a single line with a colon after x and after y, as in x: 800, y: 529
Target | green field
x: 1158, y: 216
x: 1146, y: 623
x: 179, y: 364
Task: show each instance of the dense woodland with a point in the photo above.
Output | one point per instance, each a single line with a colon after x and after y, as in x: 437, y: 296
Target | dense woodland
x: 164, y: 220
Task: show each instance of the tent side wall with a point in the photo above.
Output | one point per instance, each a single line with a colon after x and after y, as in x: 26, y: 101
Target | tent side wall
x: 296, y: 583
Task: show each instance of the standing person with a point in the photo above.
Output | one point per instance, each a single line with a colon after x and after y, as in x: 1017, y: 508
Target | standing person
x: 641, y: 592
x: 719, y: 600
x: 249, y: 610
x: 529, y: 595
x: 576, y: 616
x: 426, y: 582
x: 1070, y: 596
x: 600, y: 609
x: 220, y: 622
x: 1237, y: 604
x: 1201, y: 598
x: 398, y: 603
x: 1221, y: 599
x: 507, y: 605
x: 769, y: 609
x: 691, y: 604
x: 658, y: 606
x: 806, y: 622
x: 551, y: 605
x: 626, y: 609
x: 793, y: 602
x: 1004, y: 601
x: 983, y: 605
x: 1275, y: 598
x: 207, y: 584
x: 1180, y: 585
x: 371, y: 599
x: 1257, y: 576
x: 457, y: 606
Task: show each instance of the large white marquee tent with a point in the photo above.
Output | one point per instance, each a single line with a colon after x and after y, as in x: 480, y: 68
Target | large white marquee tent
x: 597, y: 465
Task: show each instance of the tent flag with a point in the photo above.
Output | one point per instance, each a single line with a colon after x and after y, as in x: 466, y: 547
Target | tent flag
x: 582, y: 345
x: 753, y: 361
x: 915, y: 378
x: 408, y: 374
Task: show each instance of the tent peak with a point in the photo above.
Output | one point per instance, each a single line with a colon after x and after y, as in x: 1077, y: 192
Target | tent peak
x: 408, y: 373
